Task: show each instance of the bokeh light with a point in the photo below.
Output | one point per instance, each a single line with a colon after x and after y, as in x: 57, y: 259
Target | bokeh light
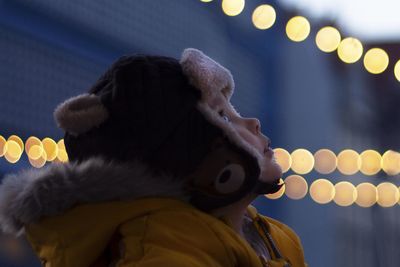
x: 345, y: 194
x: 391, y: 162
x: 13, y: 152
x: 18, y: 140
x: 367, y: 195
x: 302, y: 161
x: 325, y: 161
x: 376, y: 60
x: 388, y: 194
x: 62, y: 155
x: 3, y: 146
x: 31, y: 141
x: 397, y: 70
x: 205, y: 1
x: 35, y: 152
x: 264, y: 17
x: 39, y: 162
x: 350, y: 50
x: 370, y: 162
x: 278, y: 194
x: 51, y: 148
x: 283, y: 158
x: 298, y: 29
x: 322, y: 191
x: 232, y: 7
x: 296, y: 187
x: 349, y: 162
x: 61, y: 144
x: 328, y: 39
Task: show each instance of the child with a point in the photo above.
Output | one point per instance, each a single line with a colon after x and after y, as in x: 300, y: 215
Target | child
x: 162, y: 172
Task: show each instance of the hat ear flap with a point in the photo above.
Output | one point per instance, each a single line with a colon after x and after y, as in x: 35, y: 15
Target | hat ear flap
x: 230, y: 179
x: 80, y: 114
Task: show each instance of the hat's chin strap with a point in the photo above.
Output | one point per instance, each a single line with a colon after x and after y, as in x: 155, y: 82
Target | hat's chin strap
x: 262, y: 188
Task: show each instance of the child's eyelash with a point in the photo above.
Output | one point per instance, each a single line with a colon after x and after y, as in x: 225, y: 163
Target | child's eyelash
x: 222, y: 114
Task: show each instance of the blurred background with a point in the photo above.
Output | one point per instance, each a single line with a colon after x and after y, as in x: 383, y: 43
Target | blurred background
x: 321, y: 76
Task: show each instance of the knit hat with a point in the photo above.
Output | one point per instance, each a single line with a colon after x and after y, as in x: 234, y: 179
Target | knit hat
x: 154, y: 109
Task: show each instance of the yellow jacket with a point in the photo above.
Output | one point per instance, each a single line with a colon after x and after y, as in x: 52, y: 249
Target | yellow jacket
x: 95, y: 212
x: 154, y: 232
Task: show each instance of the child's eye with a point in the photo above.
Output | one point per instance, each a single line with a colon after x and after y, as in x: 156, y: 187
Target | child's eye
x: 222, y: 114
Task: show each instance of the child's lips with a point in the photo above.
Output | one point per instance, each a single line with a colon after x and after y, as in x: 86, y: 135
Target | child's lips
x: 268, y: 151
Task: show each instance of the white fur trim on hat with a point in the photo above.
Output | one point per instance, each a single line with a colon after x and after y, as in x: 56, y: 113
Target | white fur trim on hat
x: 81, y: 113
x: 206, y: 75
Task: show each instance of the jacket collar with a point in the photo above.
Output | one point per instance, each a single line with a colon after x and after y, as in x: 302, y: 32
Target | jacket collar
x: 35, y: 193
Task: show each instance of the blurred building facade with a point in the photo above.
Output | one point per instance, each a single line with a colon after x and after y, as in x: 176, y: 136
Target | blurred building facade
x: 52, y: 50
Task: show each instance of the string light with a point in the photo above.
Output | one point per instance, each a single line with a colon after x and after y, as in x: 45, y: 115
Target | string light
x: 370, y: 162
x: 302, y: 161
x: 283, y: 158
x: 51, y: 148
x: 298, y: 28
x: 376, y: 60
x: 397, y: 70
x: 296, y: 187
x: 391, y: 162
x: 388, y: 194
x: 350, y: 50
x: 232, y: 7
x: 367, y: 195
x: 349, y: 162
x: 13, y: 152
x: 328, y: 39
x: 264, y: 17
x: 18, y: 140
x: 39, y: 162
x: 345, y: 194
x: 32, y: 141
x: 322, y: 191
x: 3, y: 146
x: 325, y: 161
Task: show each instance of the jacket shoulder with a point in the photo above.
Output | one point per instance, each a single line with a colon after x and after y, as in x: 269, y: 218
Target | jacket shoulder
x: 181, y: 237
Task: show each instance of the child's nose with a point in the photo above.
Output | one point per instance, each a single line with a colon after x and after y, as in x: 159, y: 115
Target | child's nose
x: 254, y: 125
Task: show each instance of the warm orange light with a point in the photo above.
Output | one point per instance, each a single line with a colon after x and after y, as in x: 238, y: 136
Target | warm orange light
x: 13, y: 153
x: 325, y: 161
x: 298, y: 28
x: 3, y: 146
x: 391, y: 162
x: 296, y: 187
x: 51, y: 148
x: 31, y: 141
x: 388, y: 194
x: 349, y: 162
x: 350, y: 50
x: 302, y: 161
x: 39, y: 162
x: 367, y: 195
x: 18, y: 140
x: 62, y: 155
x: 370, y: 162
x: 283, y: 158
x: 345, y: 194
x: 264, y: 17
x: 322, y: 191
x: 233, y: 7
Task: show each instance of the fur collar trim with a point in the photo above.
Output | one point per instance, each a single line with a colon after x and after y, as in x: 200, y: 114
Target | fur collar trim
x: 31, y: 194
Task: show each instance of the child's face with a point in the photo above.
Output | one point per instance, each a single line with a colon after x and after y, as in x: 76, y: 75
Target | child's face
x: 250, y: 130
